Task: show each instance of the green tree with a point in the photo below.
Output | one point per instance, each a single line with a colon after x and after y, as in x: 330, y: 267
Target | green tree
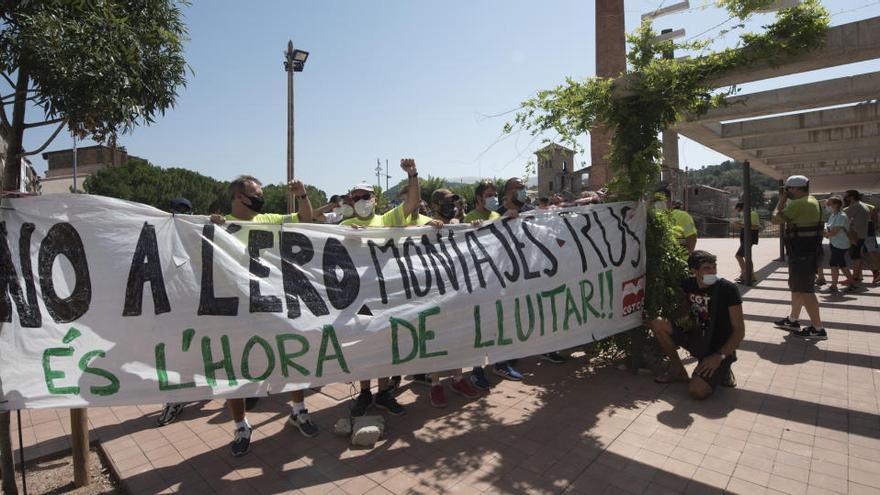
x: 140, y: 181
x: 653, y: 95
x: 96, y: 67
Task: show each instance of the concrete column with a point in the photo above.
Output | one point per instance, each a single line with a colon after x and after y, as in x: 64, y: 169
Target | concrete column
x: 610, y: 62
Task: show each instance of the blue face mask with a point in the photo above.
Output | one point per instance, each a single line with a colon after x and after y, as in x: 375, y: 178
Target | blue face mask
x: 710, y: 279
x: 522, y: 196
x: 492, y: 203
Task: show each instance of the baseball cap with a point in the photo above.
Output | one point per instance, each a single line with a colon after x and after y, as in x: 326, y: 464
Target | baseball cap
x: 180, y: 205
x: 797, y: 181
x: 363, y: 186
x: 440, y: 194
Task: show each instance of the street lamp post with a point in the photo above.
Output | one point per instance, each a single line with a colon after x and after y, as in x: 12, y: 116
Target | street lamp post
x: 294, y: 61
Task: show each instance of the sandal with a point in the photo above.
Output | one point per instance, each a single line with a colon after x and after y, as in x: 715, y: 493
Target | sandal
x: 670, y: 378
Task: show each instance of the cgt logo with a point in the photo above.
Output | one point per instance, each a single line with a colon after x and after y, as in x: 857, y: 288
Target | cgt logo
x: 633, y: 295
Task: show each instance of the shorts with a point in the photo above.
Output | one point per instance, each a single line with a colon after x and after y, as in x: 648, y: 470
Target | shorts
x: 856, y: 250
x: 741, y: 251
x: 802, y: 273
x: 838, y: 258
x: 679, y: 337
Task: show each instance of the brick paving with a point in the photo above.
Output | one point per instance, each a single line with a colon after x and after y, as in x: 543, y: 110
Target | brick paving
x: 804, y: 419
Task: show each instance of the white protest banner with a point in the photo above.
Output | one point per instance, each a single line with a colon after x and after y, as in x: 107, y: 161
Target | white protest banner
x: 107, y: 302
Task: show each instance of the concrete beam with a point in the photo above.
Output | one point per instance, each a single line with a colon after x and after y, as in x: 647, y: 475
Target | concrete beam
x: 815, y: 120
x: 813, y: 148
x: 840, y: 91
x: 839, y: 135
x: 708, y: 135
x: 845, y: 44
x: 855, y: 154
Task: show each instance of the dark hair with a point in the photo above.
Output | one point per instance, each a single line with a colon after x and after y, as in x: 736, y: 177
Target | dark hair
x: 852, y: 193
x: 335, y: 198
x: 739, y: 204
x: 697, y: 258
x: 543, y: 200
x: 510, y: 182
x: 482, y: 187
x: 238, y: 185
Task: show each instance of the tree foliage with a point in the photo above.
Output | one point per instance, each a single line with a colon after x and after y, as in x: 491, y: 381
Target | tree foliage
x: 97, y: 67
x: 140, y: 181
x: 653, y: 95
x: 729, y: 173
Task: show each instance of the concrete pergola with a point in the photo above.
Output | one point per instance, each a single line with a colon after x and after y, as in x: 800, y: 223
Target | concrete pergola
x: 792, y: 130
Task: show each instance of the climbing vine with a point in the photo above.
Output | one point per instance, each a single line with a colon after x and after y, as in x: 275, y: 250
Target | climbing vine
x: 653, y: 95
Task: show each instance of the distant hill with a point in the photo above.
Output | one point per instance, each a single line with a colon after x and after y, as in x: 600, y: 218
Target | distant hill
x: 729, y: 173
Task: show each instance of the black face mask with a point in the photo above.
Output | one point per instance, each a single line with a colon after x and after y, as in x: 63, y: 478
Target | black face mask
x: 256, y: 202
x: 448, y: 210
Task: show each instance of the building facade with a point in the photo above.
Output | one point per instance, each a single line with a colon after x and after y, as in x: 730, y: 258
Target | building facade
x: 90, y: 159
x: 557, y: 173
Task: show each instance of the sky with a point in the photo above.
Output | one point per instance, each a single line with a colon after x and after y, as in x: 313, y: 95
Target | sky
x: 386, y: 79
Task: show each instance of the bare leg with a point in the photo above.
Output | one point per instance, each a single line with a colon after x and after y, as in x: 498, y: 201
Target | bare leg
x: 365, y: 385
x: 236, y: 407
x: 384, y: 384
x: 742, y: 266
x: 812, y: 305
x: 662, y: 330
x: 699, y: 389
x: 298, y: 396
x: 834, y: 274
x: 797, y: 302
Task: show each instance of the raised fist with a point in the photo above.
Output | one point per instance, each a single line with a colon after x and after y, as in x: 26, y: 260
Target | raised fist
x: 408, y: 165
x: 296, y: 187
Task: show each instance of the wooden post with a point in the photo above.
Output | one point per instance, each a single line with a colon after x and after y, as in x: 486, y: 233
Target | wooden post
x: 79, y: 441
x: 8, y: 464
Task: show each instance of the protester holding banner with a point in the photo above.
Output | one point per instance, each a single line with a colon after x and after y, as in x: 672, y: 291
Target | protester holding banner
x: 485, y: 204
x: 364, y: 201
x: 247, y: 204
x: 443, y: 204
x: 710, y: 329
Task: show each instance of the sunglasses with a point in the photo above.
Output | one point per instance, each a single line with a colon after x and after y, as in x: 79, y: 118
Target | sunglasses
x: 360, y: 197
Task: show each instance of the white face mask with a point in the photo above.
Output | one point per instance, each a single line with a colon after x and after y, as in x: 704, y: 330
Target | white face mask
x: 710, y: 279
x: 522, y: 195
x: 659, y: 205
x: 345, y: 211
x: 364, y: 207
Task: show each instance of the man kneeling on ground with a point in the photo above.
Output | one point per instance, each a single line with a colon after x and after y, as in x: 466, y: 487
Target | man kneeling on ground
x: 710, y: 331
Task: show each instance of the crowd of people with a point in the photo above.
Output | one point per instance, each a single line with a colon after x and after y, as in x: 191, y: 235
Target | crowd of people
x: 710, y: 326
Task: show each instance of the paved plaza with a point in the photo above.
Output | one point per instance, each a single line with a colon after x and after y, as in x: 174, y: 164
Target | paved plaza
x: 804, y: 419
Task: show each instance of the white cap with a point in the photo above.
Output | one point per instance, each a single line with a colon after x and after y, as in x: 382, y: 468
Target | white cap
x: 797, y: 181
x: 363, y: 186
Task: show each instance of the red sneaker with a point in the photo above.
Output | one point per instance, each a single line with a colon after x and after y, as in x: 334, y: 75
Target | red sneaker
x: 463, y: 387
x: 438, y: 398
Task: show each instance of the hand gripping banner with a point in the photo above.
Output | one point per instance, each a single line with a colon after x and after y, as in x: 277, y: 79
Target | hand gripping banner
x: 107, y: 302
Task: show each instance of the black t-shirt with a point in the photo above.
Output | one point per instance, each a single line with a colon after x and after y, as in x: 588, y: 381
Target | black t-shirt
x: 700, y: 304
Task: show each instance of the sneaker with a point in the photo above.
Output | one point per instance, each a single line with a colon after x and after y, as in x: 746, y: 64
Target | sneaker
x: 851, y: 288
x: 729, y: 381
x: 811, y: 333
x: 250, y: 403
x: 438, y: 397
x: 478, y: 379
x: 363, y: 401
x: 387, y: 401
x: 553, y: 357
x: 876, y: 279
x: 422, y: 379
x: 820, y: 282
x: 463, y: 388
x: 242, y: 442
x: 787, y: 324
x: 506, y: 371
x: 833, y: 289
x: 169, y: 413
x: 303, y: 423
